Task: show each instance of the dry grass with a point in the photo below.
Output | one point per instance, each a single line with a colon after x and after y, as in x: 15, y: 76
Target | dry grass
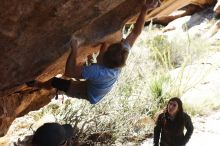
x: 143, y: 88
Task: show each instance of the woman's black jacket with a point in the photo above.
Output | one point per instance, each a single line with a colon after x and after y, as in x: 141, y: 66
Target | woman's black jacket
x: 167, y: 131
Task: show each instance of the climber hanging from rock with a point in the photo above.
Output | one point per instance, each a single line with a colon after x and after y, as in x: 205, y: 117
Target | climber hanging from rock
x: 100, y: 77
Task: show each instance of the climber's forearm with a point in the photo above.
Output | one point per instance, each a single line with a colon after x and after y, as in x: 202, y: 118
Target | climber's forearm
x: 70, y: 64
x: 72, y: 70
x: 138, y: 26
x: 102, y: 51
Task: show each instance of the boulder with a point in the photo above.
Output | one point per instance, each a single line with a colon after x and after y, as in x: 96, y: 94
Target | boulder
x: 34, y: 38
x: 34, y: 42
x: 217, y: 7
x: 187, y: 10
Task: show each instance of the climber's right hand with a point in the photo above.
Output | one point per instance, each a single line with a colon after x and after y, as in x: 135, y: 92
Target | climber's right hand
x: 76, y: 42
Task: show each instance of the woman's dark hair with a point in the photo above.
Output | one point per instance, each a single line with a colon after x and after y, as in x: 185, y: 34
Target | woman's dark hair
x: 179, y: 117
x: 115, y: 56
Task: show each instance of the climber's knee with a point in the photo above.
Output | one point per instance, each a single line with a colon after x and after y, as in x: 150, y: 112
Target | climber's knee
x: 78, y: 89
x: 60, y: 84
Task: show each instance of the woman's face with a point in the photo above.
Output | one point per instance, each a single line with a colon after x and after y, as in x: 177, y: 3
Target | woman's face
x: 172, y: 108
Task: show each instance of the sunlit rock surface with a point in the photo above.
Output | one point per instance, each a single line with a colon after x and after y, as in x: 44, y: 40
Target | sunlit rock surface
x: 217, y: 7
x: 34, y: 38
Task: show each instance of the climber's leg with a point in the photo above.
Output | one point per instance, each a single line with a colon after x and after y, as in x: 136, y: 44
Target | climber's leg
x: 75, y: 89
x: 78, y: 89
x: 54, y: 82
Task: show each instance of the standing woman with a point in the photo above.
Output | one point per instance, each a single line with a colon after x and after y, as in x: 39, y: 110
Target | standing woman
x: 169, y: 129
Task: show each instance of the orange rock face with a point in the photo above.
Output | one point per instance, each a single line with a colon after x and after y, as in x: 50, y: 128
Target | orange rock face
x: 34, y: 38
x: 217, y: 7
